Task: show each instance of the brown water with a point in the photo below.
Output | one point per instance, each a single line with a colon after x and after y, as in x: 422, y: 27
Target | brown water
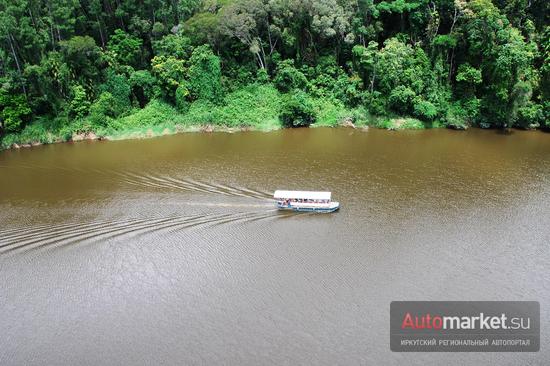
x: 169, y: 250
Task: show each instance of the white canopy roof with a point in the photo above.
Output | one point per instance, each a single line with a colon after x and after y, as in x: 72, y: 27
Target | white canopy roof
x: 310, y: 195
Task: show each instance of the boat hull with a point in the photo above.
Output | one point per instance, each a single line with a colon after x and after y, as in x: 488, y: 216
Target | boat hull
x: 333, y: 207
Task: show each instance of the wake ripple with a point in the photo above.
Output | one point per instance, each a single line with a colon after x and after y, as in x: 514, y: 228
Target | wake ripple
x: 56, y: 236
x: 166, y: 182
x: 156, y: 181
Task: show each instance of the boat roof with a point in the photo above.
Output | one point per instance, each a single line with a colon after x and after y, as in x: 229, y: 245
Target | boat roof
x: 310, y: 195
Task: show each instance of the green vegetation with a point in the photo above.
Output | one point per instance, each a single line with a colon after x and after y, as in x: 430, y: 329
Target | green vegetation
x: 90, y: 68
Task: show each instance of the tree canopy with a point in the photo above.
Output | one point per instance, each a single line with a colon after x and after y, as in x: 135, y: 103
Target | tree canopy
x: 479, y: 62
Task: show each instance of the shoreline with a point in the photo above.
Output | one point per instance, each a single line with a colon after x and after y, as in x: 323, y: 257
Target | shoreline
x: 147, y: 133
x: 137, y: 134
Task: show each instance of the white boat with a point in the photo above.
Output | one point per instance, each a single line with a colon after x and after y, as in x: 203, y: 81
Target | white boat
x: 305, y: 201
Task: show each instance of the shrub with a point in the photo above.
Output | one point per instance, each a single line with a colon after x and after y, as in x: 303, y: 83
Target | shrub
x: 103, y: 109
x: 424, y: 110
x: 530, y: 116
x: 401, y: 99
x: 288, y: 77
x: 79, y: 106
x: 144, y: 86
x: 330, y: 112
x: 169, y: 72
x: 119, y: 88
x: 13, y: 111
x: 375, y: 103
x: 298, y: 110
x: 253, y: 105
x: 262, y: 76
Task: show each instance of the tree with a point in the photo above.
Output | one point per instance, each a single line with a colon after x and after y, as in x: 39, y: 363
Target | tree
x: 119, y: 88
x: 83, y: 59
x: 401, y: 99
x: 170, y: 73
x: 204, y: 76
x: 125, y: 48
x: 175, y: 45
x: 244, y: 20
x: 366, y: 59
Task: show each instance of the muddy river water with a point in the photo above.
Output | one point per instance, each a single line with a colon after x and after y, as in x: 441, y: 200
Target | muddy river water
x: 170, y: 251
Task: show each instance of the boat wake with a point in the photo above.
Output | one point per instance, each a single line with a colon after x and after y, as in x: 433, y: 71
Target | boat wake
x: 166, y: 182
x: 17, y: 240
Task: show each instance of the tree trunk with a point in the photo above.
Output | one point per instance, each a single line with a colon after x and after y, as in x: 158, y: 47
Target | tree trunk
x: 100, y: 31
x: 10, y: 37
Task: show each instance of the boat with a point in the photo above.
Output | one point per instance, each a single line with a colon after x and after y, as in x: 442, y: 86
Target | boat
x: 306, y: 201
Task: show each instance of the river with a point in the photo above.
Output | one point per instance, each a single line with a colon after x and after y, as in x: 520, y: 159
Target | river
x: 169, y: 250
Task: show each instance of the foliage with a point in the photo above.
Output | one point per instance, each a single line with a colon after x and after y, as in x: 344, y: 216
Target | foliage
x: 89, y: 65
x: 174, y: 45
x: 204, y: 80
x: 79, y: 106
x: 288, y: 77
x: 424, y: 109
x: 13, y: 111
x: 468, y: 74
x: 126, y: 49
x: 401, y: 99
x: 143, y: 86
x: 119, y: 87
x: 169, y: 73
x: 297, y: 110
x: 252, y: 106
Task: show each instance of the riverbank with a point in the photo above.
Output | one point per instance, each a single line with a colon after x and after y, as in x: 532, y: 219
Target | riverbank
x: 255, y: 107
x: 28, y: 139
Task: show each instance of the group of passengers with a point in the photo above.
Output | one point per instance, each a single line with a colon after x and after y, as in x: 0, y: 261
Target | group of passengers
x: 287, y: 202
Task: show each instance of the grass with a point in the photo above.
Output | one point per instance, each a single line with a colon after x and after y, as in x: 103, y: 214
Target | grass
x: 400, y: 124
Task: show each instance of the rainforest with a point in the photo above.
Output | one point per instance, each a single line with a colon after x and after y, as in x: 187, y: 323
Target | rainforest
x: 77, y: 69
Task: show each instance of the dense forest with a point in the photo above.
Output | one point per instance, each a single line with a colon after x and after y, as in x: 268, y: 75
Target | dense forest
x: 70, y: 67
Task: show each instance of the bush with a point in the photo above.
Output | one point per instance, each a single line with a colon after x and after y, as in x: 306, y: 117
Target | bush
x: 182, y: 93
x: 424, y: 110
x: 79, y: 105
x: 298, y: 110
x: 530, y: 116
x: 401, y: 99
x: 144, y: 86
x: 254, y: 105
x: 376, y: 103
x: 262, y: 77
x: 288, y: 77
x: 330, y: 112
x: 119, y: 88
x: 14, y: 110
x: 155, y: 113
x: 103, y: 109
x: 455, y: 117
